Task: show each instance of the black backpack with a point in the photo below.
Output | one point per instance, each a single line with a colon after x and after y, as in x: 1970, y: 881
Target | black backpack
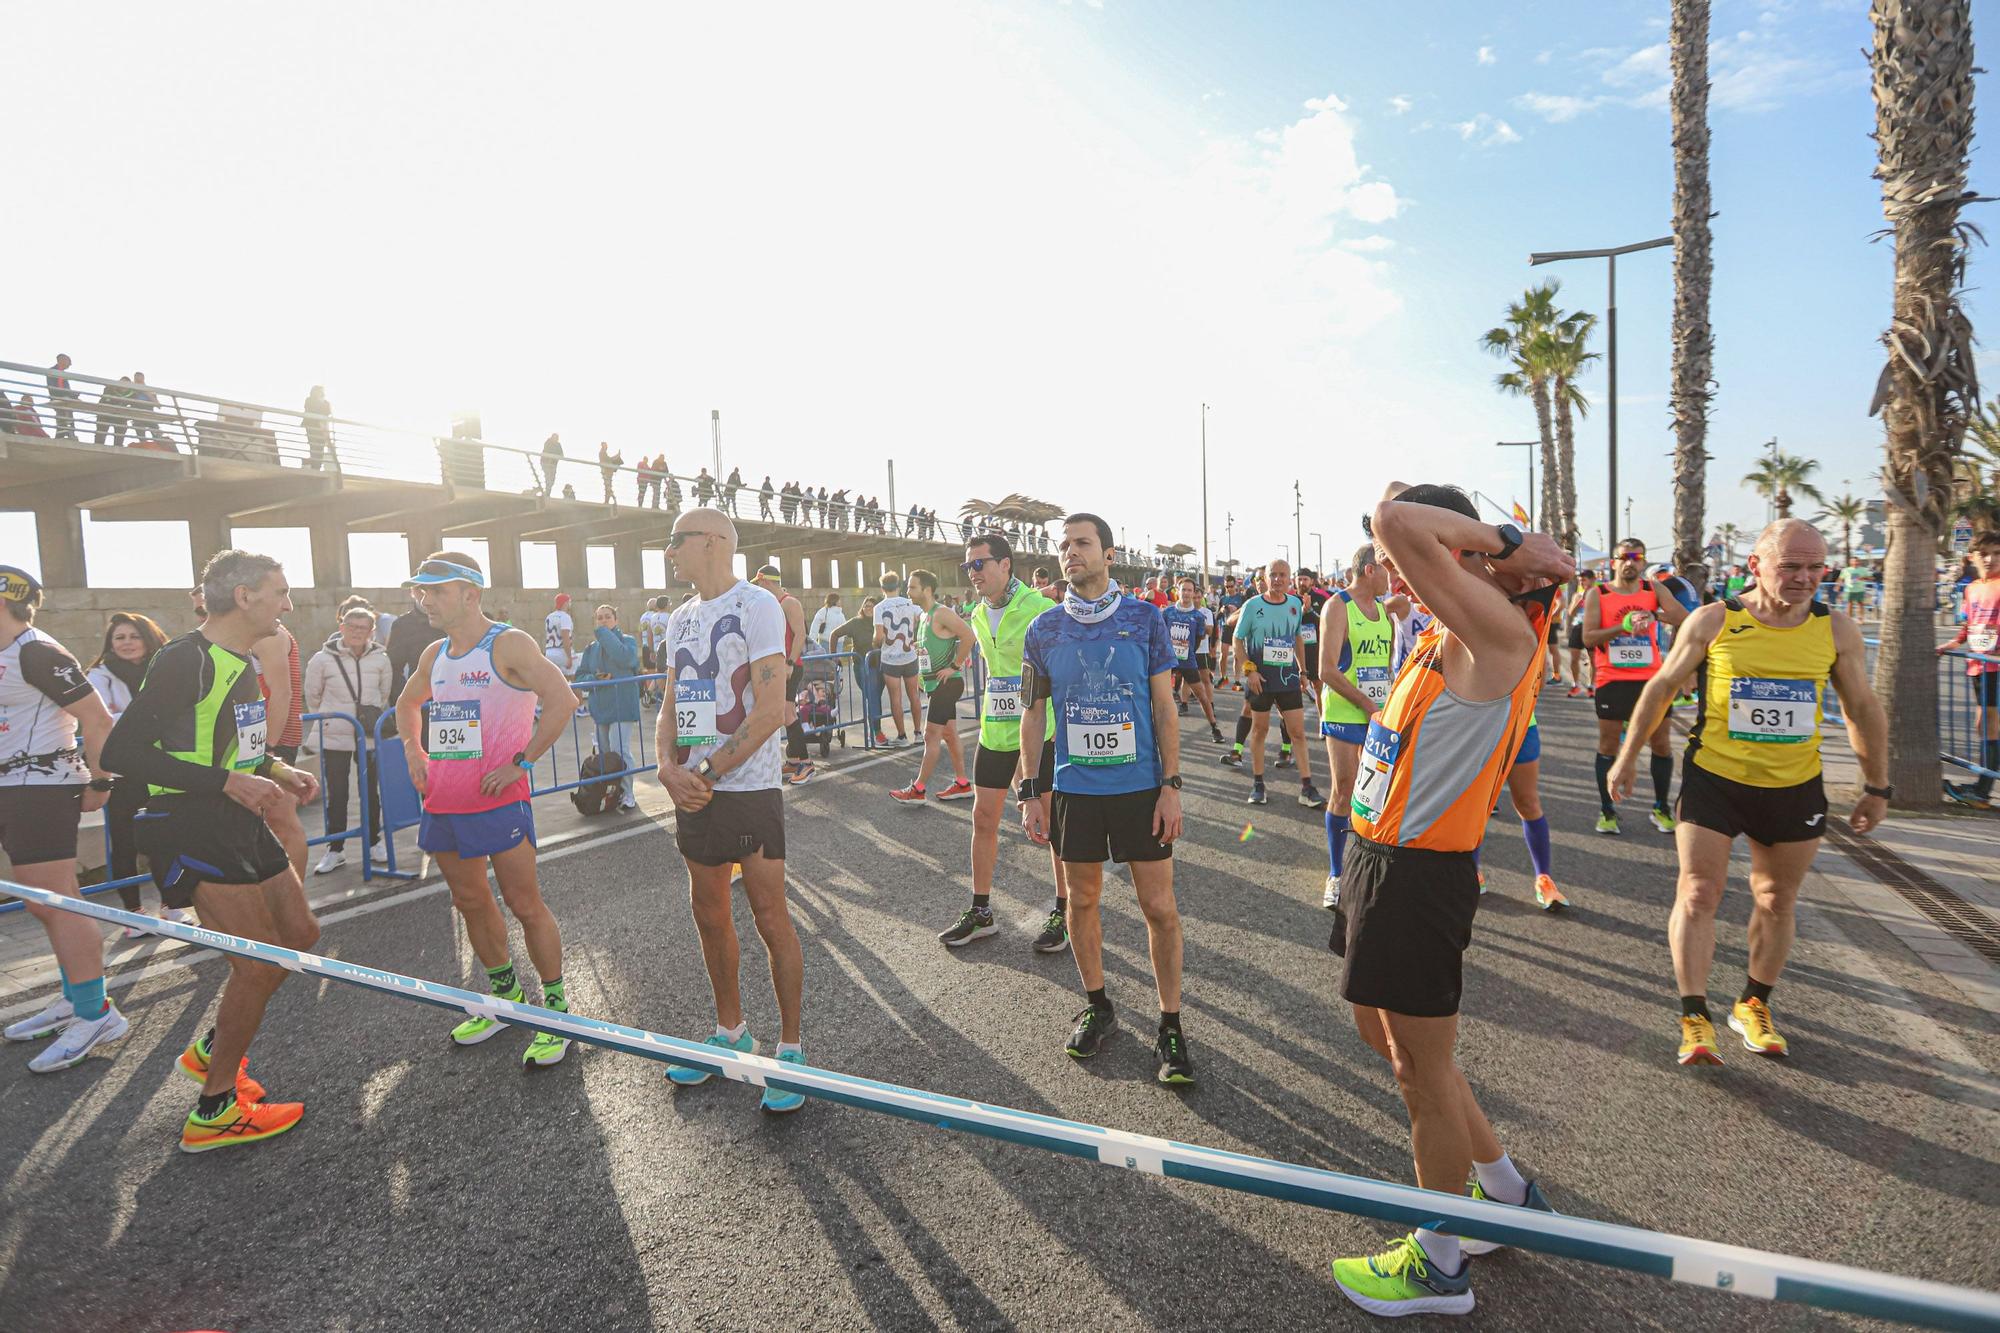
x: 598, y: 798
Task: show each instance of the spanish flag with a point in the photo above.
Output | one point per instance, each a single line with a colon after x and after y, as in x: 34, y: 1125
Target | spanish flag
x: 1520, y: 515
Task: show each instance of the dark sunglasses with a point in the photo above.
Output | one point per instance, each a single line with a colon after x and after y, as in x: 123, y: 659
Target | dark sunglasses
x: 974, y: 566
x: 679, y: 539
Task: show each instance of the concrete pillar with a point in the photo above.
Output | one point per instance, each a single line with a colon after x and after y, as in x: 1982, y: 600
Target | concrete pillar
x: 793, y: 570
x: 207, y: 534
x: 422, y: 541
x: 572, y: 569
x: 329, y: 555
x: 504, y: 552
x: 631, y: 571
x: 59, y: 534
x: 825, y: 572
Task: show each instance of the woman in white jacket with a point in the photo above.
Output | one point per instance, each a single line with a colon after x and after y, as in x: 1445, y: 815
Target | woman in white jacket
x: 130, y: 640
x: 349, y: 674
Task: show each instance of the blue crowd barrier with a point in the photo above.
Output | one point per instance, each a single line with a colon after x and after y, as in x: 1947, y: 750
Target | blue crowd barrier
x: 1732, y: 1268
x: 1960, y: 736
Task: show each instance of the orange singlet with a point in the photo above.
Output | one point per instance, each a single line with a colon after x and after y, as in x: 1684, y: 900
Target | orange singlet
x: 1433, y: 763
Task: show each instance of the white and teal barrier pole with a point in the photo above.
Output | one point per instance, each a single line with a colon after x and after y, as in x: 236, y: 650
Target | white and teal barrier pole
x: 1700, y: 1263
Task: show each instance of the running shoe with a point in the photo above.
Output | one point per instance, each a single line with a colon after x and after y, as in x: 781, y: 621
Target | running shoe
x: 547, y: 1048
x: 1215, y: 735
x: 475, y: 1030
x: 1183, y: 708
x: 778, y: 1102
x: 1698, y: 1044
x: 36, y: 1026
x: 1176, y: 1066
x: 958, y: 791
x: 79, y: 1037
x: 1232, y: 759
x: 1330, y: 899
x: 1608, y: 825
x: 686, y: 1077
x: 333, y: 860
x: 910, y: 795
x: 1093, y: 1025
x: 1310, y: 796
x: 1752, y: 1018
x: 1966, y: 794
x: 1547, y: 896
x: 1258, y: 796
x: 1534, y: 1203
x: 1482, y: 880
x: 1662, y: 821
x: 1402, y: 1280
x: 1284, y: 759
x: 238, y: 1123
x: 901, y: 742
x: 1055, y: 934
x: 180, y: 916
x: 194, y: 1064
x: 802, y: 774
x: 1576, y: 691
x: 974, y: 925
x: 881, y: 740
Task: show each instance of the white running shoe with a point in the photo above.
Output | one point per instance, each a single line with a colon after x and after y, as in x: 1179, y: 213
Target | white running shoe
x: 78, y: 1040
x: 37, y: 1026
x: 331, y: 862
x: 1330, y: 900
x: 180, y: 916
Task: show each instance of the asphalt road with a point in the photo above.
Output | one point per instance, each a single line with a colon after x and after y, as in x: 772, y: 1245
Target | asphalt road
x: 431, y: 1187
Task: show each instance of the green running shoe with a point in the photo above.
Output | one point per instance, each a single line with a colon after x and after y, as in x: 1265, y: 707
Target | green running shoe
x: 1403, y: 1280
x: 1608, y: 824
x: 777, y: 1101
x: 475, y: 1030
x: 548, y: 1048
x: 1662, y: 821
x: 688, y: 1078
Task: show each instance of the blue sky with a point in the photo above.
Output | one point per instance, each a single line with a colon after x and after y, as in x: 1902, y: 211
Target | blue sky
x: 1010, y: 247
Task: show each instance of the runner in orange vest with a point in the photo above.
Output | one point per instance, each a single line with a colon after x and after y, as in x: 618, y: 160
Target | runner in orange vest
x: 1621, y: 627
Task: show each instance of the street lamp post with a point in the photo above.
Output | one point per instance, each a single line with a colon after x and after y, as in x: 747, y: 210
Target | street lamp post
x: 1530, y: 446
x: 1206, y: 584
x: 1320, y: 538
x: 1610, y: 256
x: 1298, y: 508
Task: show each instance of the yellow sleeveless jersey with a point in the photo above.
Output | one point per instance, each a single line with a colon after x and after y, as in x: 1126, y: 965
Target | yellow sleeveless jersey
x: 1761, y: 696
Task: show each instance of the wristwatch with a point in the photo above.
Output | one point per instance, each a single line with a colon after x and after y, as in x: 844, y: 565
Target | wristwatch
x: 1510, y: 541
x: 100, y: 784
x: 1884, y: 792
x: 705, y: 770
x: 1025, y: 791
x: 520, y: 760
x: 1174, y: 781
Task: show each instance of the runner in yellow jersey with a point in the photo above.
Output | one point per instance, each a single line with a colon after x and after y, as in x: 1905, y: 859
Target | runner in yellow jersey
x: 1753, y: 767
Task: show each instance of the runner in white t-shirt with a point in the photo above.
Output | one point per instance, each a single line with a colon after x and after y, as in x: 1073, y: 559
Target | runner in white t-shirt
x: 896, y: 639
x: 652, y: 633
x: 721, y: 753
x: 557, y: 636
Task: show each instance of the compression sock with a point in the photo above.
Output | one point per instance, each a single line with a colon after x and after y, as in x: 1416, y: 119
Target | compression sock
x: 553, y: 995
x: 209, y: 1107
x: 1336, y: 841
x: 87, y: 998
x: 1098, y: 1000
x: 1062, y: 906
x: 1604, y: 762
x: 1694, y: 1006
x: 982, y: 902
x: 1535, y: 832
x: 1663, y: 781
x: 1501, y: 1180
x: 1242, y: 728
x: 1754, y: 989
x: 502, y: 981
x: 1991, y: 757
x: 1170, y: 1022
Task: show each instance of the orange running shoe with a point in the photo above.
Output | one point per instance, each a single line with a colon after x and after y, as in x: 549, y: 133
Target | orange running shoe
x: 194, y: 1063
x: 1698, y: 1045
x: 239, y: 1124
x: 1548, y: 895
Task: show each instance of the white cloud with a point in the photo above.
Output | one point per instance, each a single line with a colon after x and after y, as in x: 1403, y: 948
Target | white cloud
x: 1556, y: 107
x: 1485, y: 56
x: 1400, y: 104
x: 1486, y: 131
x: 1368, y: 244
x: 1328, y: 103
x: 1749, y: 70
x: 1543, y: 57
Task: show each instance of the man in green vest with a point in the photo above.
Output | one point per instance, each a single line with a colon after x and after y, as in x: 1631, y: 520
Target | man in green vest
x: 1355, y: 639
x: 1000, y: 620
x: 944, y: 648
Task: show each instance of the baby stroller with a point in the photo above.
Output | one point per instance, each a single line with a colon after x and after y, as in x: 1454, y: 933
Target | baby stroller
x: 819, y: 713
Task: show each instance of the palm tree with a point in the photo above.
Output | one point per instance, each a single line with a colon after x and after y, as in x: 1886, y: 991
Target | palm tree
x: 1694, y: 340
x: 1929, y: 389
x: 1566, y: 361
x: 1520, y: 342
x: 1847, y: 511
x: 1782, y: 478
x: 1731, y: 536
x: 1976, y: 483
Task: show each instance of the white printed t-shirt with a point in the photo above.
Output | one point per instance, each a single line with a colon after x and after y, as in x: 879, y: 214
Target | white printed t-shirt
x: 709, y: 647
x: 897, y: 617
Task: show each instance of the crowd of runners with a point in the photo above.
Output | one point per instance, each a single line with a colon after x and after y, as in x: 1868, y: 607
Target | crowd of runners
x: 1422, y: 667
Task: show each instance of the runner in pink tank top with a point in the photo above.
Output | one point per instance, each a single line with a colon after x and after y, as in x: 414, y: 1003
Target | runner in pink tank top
x: 478, y: 722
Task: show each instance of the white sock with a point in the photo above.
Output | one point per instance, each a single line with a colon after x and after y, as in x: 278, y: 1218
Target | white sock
x: 790, y: 1047
x: 1501, y: 1180
x: 732, y: 1034
x: 1442, y: 1249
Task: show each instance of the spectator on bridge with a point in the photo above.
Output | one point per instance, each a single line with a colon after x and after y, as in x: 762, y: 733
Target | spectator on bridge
x: 112, y: 404
x: 408, y: 637
x: 130, y: 640
x: 788, y: 501
x: 764, y: 495
x: 608, y: 464
x: 319, y: 430
x: 552, y: 454
x: 349, y: 674
x: 828, y: 619
x: 146, y: 405
x: 614, y: 655
x: 647, y: 479
x: 839, y: 507
x: 729, y: 489
x: 704, y: 488
x: 821, y: 503
x: 673, y: 486
x: 60, y: 395
x: 20, y: 418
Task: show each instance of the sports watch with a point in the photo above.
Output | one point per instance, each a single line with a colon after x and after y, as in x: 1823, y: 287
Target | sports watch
x: 520, y: 760
x: 1024, y: 791
x: 1885, y: 793
x: 1174, y: 781
x: 1510, y: 541
x: 705, y: 770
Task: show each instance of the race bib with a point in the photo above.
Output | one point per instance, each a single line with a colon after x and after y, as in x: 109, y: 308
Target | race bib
x: 250, y: 732
x: 1308, y: 633
x: 1179, y: 633
x: 1374, y: 682
x: 924, y: 659
x: 694, y: 713
x: 454, y: 731
x: 1983, y: 638
x: 1630, y: 651
x: 1777, y: 712
x: 1103, y: 742
x: 1003, y: 698
x: 1378, y: 765
x: 1278, y: 653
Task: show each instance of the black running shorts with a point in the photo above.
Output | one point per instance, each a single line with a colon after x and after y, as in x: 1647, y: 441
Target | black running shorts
x: 1615, y: 699
x: 1769, y: 815
x: 995, y: 768
x: 38, y: 823
x: 1576, y: 637
x: 942, y: 709
x: 1409, y: 919
x: 191, y: 840
x: 733, y: 826
x: 1285, y: 701
x: 1099, y: 828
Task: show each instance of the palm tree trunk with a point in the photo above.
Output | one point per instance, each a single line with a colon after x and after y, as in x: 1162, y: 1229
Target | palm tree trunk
x: 1566, y: 461
x: 1694, y: 341
x: 1929, y: 389
x: 1549, y: 512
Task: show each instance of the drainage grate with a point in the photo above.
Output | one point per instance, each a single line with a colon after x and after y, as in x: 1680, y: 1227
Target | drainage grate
x: 1945, y: 909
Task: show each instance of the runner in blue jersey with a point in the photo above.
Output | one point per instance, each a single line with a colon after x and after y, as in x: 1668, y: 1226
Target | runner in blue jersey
x: 1267, y: 650
x: 1189, y: 626
x: 1105, y: 661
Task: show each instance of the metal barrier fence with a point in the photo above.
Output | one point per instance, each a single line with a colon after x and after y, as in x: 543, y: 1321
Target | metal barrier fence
x: 1960, y: 705
x: 1731, y: 1268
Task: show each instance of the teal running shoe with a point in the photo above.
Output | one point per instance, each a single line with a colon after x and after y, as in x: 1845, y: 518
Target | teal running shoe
x: 1534, y: 1201
x: 777, y: 1101
x: 688, y: 1078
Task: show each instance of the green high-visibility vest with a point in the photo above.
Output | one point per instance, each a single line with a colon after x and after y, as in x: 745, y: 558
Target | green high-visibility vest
x: 1368, y: 647
x: 1002, y: 651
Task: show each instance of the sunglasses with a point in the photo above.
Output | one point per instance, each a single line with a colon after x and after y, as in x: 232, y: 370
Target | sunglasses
x: 1631, y: 555
x: 675, y: 542
x: 974, y: 566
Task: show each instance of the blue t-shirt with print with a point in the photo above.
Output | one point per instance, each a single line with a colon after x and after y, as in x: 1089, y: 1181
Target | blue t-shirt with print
x: 1101, y: 681
x: 1187, y: 632
x: 1269, y: 633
